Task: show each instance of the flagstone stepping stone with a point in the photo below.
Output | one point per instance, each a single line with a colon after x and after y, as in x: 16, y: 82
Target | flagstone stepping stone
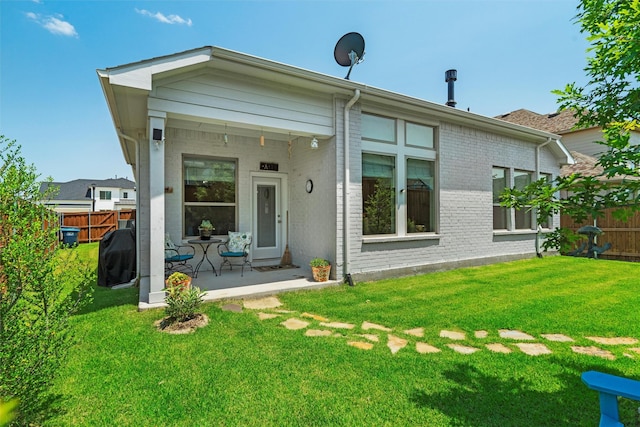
x: 533, y: 349
x: 371, y: 337
x: 318, y: 333
x: 315, y: 317
x: 416, y: 332
x: 266, y: 316
x: 499, y: 348
x: 481, y: 334
x: 636, y: 349
x: 361, y: 345
x: 338, y: 325
x: 284, y: 311
x: 424, y: 348
x: 613, y: 341
x: 262, y: 303
x: 462, y: 349
x: 294, y: 324
x: 368, y: 325
x: 593, y: 351
x: 236, y: 308
x: 557, y: 337
x: 452, y: 335
x: 396, y: 344
x: 514, y: 335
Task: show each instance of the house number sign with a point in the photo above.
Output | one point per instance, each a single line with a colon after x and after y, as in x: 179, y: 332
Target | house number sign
x: 268, y: 166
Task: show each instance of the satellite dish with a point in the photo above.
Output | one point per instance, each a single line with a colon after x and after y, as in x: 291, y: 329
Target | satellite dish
x: 349, y: 51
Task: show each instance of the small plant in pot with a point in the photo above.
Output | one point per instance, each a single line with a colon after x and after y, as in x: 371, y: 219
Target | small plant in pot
x: 320, y: 268
x: 178, y: 280
x: 206, y: 229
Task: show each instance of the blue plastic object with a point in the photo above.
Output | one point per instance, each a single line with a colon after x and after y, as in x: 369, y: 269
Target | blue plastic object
x: 69, y: 235
x: 610, y: 387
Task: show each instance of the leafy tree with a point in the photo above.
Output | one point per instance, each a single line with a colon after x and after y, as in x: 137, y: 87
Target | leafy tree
x: 611, y: 100
x: 40, y: 287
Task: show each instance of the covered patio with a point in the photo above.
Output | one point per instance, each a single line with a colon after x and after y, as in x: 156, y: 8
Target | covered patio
x: 254, y: 283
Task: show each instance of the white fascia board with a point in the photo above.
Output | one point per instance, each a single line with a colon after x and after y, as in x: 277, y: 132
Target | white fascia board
x: 561, y: 152
x: 140, y: 75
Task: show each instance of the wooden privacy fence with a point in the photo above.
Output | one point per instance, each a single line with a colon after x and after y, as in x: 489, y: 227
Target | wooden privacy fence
x: 94, y: 225
x: 624, y: 236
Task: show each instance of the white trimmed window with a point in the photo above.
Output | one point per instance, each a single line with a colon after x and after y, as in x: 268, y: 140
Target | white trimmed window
x: 507, y: 218
x: 398, y: 176
x: 210, y: 193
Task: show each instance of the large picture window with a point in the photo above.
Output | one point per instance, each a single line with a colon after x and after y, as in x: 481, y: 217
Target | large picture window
x: 398, y: 177
x: 378, y: 194
x: 209, y: 193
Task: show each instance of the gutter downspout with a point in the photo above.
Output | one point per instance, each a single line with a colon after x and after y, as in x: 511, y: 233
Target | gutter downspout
x: 539, y: 228
x: 138, y: 257
x: 345, y: 189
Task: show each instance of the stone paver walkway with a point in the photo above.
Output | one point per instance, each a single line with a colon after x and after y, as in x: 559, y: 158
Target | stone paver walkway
x: 369, y: 334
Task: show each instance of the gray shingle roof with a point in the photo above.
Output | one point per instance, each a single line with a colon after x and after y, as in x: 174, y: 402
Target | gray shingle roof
x: 79, y: 189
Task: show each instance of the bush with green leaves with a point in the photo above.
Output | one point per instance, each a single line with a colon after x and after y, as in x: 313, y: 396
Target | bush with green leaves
x: 183, y: 303
x: 41, y: 286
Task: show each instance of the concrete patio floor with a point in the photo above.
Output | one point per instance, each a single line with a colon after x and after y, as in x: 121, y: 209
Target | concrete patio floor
x: 253, y: 283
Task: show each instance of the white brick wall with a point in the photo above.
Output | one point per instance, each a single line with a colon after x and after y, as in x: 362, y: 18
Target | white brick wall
x: 465, y: 231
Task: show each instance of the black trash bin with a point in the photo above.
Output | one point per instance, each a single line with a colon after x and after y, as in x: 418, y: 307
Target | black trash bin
x: 69, y: 235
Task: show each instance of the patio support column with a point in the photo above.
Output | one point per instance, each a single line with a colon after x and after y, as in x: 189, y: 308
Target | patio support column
x: 156, y: 205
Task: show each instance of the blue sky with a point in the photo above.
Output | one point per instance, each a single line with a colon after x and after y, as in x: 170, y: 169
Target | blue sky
x: 509, y: 54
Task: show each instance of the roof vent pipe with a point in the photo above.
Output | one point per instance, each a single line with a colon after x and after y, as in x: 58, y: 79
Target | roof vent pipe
x: 451, y: 76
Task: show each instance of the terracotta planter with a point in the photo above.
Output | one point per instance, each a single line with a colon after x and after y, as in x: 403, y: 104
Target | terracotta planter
x: 181, y: 286
x: 321, y: 274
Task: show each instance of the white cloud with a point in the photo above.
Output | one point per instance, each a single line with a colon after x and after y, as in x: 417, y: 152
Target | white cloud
x: 54, y: 24
x: 165, y: 19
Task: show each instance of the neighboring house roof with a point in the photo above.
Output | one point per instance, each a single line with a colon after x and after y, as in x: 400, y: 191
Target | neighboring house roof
x: 584, y: 165
x: 77, y: 189
x: 559, y: 122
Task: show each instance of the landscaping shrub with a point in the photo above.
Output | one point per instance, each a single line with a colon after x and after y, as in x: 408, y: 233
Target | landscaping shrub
x: 41, y: 285
x: 182, y: 303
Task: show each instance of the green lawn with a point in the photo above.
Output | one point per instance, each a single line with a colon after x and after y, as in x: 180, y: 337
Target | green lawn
x: 241, y: 371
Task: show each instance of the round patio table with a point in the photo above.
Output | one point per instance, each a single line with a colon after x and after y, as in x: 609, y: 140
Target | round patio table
x: 204, y: 244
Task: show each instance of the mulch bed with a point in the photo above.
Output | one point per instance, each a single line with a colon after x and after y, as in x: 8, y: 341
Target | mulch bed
x: 164, y: 325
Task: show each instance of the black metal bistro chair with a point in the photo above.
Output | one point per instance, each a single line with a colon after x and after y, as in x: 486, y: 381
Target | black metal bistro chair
x: 176, y: 257
x: 236, y: 251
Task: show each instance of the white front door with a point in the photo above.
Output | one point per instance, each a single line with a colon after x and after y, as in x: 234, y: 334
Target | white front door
x: 267, y: 217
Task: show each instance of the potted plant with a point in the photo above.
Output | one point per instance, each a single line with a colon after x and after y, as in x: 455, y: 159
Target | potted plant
x: 206, y: 228
x: 178, y: 281
x: 320, y: 268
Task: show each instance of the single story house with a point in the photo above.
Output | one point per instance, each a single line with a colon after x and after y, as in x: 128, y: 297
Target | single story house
x: 379, y: 183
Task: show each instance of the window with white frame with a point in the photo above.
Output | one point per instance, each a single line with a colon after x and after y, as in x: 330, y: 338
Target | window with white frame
x: 499, y: 183
x: 506, y: 218
x: 210, y: 193
x: 105, y: 195
x: 398, y: 176
x: 523, y: 217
